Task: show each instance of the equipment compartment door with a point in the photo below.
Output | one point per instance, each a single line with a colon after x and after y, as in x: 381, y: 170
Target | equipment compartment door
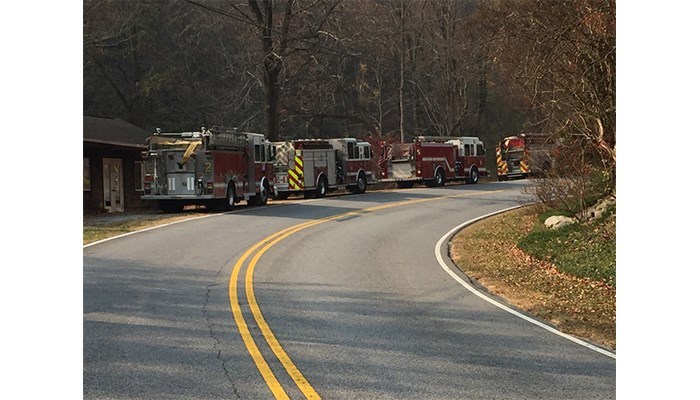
x: 113, y: 188
x: 180, y: 173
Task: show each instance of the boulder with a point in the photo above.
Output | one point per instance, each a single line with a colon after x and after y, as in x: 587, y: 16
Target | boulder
x: 557, y: 221
x: 597, y: 210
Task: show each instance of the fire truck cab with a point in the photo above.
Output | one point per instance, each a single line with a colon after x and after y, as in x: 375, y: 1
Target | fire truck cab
x: 470, y: 158
x: 216, y: 167
x: 353, y: 164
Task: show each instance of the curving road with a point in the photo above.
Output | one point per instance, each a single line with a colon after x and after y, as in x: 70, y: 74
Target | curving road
x: 278, y: 302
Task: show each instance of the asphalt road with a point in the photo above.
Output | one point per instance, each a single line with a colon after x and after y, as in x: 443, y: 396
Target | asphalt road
x: 354, y: 307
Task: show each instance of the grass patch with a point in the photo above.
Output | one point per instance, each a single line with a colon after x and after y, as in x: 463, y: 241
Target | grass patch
x: 488, y: 252
x: 583, y: 250
x: 95, y: 229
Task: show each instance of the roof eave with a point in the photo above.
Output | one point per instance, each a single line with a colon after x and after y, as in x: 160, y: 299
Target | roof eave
x: 98, y: 141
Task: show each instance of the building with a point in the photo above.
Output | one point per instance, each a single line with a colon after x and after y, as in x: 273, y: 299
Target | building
x: 112, y: 165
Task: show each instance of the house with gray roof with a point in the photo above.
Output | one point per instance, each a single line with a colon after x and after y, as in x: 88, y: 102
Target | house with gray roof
x: 112, y: 165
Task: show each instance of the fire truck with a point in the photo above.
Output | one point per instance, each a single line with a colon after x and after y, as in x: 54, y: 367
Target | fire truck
x: 217, y: 167
x: 525, y: 155
x: 434, y: 160
x: 313, y: 167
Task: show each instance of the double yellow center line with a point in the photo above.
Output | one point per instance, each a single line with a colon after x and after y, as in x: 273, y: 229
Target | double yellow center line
x: 261, y: 247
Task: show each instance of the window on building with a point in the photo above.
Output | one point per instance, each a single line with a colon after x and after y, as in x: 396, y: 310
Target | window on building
x: 86, y: 174
x: 139, y: 175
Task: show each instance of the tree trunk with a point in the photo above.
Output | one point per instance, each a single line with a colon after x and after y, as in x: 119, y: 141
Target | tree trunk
x: 272, y: 91
x: 402, y: 68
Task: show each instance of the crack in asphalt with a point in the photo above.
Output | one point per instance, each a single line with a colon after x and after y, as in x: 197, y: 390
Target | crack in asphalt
x: 210, y: 324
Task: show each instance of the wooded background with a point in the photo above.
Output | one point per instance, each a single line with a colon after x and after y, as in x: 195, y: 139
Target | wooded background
x: 328, y: 68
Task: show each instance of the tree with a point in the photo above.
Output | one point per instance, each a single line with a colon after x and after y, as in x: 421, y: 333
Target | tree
x: 562, y: 58
x: 559, y: 58
x: 295, y: 26
x: 165, y: 64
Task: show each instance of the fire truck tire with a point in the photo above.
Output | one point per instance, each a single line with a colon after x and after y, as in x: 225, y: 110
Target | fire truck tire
x: 264, y: 194
x: 322, y: 187
x: 440, y: 177
x: 230, y: 202
x: 473, y: 176
x: 260, y: 199
x: 168, y: 206
x: 361, y: 184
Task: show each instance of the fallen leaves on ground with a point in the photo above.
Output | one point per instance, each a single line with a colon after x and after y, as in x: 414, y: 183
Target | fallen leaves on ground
x: 487, y: 252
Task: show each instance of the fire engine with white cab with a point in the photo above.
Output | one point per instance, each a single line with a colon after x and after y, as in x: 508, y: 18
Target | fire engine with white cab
x: 434, y: 160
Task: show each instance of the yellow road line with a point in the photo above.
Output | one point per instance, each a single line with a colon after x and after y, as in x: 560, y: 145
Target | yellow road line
x: 253, y: 350
x: 270, y: 338
x: 292, y: 370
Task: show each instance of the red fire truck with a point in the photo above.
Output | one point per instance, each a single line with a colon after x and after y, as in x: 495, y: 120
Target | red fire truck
x: 524, y: 155
x: 313, y: 167
x: 433, y: 160
x: 216, y: 167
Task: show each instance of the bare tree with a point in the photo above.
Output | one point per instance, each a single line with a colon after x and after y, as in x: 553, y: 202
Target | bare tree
x: 282, y: 30
x: 559, y: 59
x: 561, y: 55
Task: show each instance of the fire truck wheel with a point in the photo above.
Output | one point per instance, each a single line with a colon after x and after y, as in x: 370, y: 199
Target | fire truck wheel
x: 361, y: 184
x: 230, y: 201
x: 263, y: 196
x: 440, y: 177
x: 473, y: 176
x: 322, y: 188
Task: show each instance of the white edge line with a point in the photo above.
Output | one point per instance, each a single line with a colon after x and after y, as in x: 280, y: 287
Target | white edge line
x: 475, y: 291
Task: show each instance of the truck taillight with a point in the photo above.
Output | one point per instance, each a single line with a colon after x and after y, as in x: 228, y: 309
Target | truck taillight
x: 210, y: 187
x: 147, y: 187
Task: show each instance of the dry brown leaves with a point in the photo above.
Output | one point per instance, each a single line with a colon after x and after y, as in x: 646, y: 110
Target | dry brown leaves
x: 487, y: 252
